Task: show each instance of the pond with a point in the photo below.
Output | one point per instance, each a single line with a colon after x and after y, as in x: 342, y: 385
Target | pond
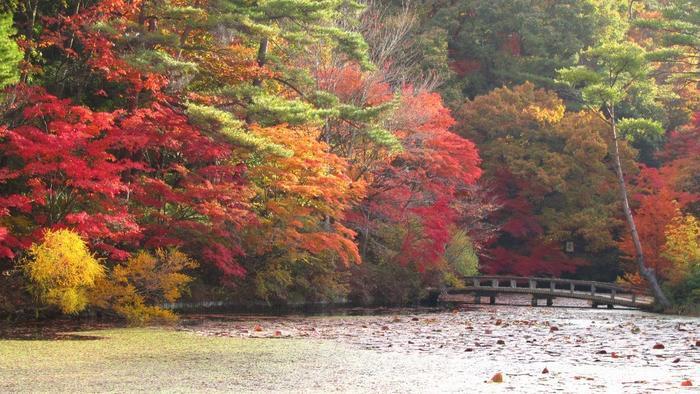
x: 543, y: 349
x: 575, y: 349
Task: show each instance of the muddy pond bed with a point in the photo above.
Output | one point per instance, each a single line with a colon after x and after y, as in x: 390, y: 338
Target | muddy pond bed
x: 543, y: 349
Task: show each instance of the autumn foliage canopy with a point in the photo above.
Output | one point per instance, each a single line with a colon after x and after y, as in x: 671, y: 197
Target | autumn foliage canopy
x: 296, y: 151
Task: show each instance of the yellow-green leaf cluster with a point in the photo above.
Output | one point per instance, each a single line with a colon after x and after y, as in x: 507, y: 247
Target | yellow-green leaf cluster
x: 61, y: 270
x: 137, y: 288
x: 682, y: 246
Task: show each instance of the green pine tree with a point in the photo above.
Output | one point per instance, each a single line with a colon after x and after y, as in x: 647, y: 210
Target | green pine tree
x: 604, y: 81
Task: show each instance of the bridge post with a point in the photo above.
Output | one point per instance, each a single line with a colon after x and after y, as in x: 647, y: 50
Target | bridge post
x: 534, y: 300
x: 552, y: 285
x: 571, y: 287
x: 634, y: 297
x: 477, y: 299
x: 512, y: 283
x: 494, y: 283
x: 492, y: 300
x: 476, y: 282
x: 550, y: 301
x: 592, y: 289
x: 533, y: 283
x: 612, y: 294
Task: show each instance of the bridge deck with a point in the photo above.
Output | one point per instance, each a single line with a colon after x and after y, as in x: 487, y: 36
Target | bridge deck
x: 549, y: 288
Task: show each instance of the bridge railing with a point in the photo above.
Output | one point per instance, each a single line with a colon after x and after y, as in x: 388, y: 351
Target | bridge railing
x: 595, y: 288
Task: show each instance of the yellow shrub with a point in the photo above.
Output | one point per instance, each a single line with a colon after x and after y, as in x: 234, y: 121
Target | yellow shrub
x: 682, y: 246
x: 135, y: 288
x: 61, y: 270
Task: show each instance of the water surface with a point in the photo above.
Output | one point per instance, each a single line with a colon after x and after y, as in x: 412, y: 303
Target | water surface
x: 536, y: 349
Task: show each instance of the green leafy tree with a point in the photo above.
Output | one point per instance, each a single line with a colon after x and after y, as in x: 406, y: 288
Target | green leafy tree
x: 678, y: 30
x: 673, y: 33
x: 461, y: 255
x: 605, y: 80
x: 492, y: 43
x: 10, y: 54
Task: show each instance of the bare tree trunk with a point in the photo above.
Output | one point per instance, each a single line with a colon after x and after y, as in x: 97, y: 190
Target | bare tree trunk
x: 257, y: 81
x: 646, y: 272
x: 261, y: 59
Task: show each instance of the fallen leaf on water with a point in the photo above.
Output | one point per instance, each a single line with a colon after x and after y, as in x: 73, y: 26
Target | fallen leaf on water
x: 257, y: 328
x: 278, y: 333
x: 659, y: 346
x: 697, y: 343
x: 614, y: 355
x: 686, y: 383
x: 545, y: 370
x: 553, y: 328
x: 500, y: 342
x: 601, y: 352
x: 497, y: 378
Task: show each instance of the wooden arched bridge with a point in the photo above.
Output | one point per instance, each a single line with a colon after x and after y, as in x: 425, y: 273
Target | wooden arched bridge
x: 548, y: 289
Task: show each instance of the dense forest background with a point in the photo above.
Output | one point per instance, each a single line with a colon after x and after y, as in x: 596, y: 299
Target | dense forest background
x: 291, y: 151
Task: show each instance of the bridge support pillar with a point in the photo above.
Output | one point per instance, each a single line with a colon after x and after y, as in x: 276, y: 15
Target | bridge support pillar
x: 550, y: 301
x: 492, y: 300
x: 610, y: 306
x: 534, y: 300
x: 477, y: 299
x: 594, y: 304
